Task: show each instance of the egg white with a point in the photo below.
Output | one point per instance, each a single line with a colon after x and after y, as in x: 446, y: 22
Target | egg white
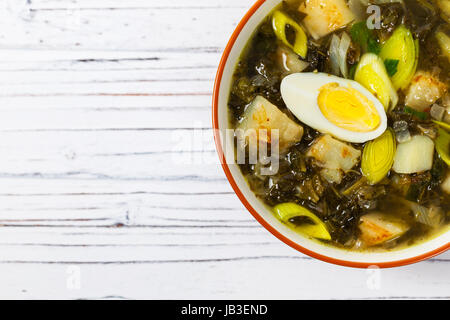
x: 300, y: 92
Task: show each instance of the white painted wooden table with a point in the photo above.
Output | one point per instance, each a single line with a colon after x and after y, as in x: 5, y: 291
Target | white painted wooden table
x: 102, y: 193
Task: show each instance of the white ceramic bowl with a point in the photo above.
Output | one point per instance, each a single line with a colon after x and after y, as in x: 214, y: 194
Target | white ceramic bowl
x: 330, y: 254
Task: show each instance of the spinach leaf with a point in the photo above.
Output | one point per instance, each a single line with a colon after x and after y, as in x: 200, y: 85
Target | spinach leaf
x: 364, y: 37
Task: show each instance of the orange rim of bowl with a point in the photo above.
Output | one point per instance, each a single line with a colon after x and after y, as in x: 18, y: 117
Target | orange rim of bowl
x: 255, y: 214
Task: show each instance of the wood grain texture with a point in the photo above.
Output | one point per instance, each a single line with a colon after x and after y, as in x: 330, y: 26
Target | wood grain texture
x: 108, y: 164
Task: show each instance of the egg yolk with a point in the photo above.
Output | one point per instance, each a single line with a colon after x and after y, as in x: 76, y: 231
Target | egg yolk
x: 348, y: 108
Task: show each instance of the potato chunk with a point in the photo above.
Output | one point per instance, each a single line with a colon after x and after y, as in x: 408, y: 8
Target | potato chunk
x: 263, y: 115
x: 333, y: 155
x: 425, y: 89
x: 414, y: 156
x: 332, y: 175
x: 325, y: 16
x: 377, y: 228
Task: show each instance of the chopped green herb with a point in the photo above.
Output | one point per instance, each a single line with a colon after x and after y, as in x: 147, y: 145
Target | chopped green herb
x: 415, y: 113
x: 352, y: 71
x: 391, y: 66
x: 364, y: 37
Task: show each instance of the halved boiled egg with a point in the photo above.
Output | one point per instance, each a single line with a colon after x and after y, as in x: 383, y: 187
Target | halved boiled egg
x: 329, y: 104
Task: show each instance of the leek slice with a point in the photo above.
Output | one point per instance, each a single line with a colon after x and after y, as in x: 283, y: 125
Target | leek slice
x: 372, y: 74
x: 444, y: 42
x: 378, y: 157
x: 443, y: 141
x: 432, y: 216
x: 343, y: 50
x: 314, y: 228
x: 279, y: 23
x: 334, y: 54
x: 401, y: 46
x: 444, y: 5
x: 443, y: 125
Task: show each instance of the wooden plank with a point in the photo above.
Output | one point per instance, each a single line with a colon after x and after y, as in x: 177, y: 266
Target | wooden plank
x: 163, y: 244
x: 130, y: 209
x: 145, y: 4
x: 143, y: 28
x: 69, y: 119
x: 262, y: 278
